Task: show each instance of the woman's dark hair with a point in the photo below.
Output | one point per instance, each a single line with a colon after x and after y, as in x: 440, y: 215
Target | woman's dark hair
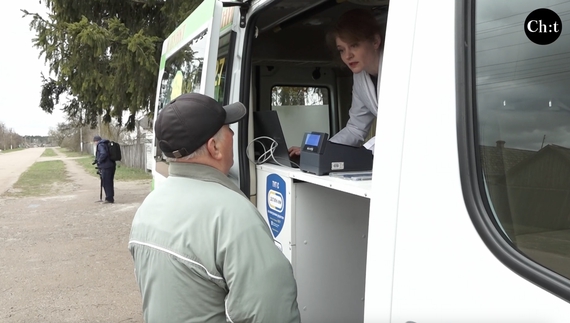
x: 354, y: 25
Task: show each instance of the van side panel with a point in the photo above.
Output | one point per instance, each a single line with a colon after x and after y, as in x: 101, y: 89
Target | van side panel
x: 393, y: 94
x: 443, y: 272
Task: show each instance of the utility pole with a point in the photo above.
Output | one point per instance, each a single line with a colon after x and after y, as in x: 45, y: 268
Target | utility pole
x: 81, y: 138
x: 138, y: 132
x: 81, y: 131
x: 99, y: 124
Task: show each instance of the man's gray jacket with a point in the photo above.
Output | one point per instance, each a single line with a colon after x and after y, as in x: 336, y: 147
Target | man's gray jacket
x: 203, y: 253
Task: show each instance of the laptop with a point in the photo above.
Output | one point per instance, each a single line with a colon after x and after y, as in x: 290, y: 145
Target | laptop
x: 266, y: 124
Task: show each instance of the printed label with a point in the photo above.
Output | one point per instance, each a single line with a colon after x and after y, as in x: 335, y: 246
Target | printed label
x: 275, y: 203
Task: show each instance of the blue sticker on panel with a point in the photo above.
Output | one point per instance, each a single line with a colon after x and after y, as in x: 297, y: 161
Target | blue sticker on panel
x: 275, y: 202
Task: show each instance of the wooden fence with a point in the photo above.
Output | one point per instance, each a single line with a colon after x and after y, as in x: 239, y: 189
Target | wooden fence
x: 132, y: 155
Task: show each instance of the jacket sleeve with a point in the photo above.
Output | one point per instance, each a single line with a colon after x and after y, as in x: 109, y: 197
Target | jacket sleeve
x: 101, y: 153
x: 359, y: 122
x: 259, y: 277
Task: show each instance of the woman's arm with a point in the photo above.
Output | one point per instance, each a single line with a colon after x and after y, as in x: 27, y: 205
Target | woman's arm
x: 359, y: 122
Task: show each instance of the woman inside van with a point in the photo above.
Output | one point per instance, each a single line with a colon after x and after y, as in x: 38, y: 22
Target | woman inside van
x: 357, y: 38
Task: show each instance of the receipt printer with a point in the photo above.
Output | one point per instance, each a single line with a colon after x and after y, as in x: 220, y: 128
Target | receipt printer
x: 320, y: 156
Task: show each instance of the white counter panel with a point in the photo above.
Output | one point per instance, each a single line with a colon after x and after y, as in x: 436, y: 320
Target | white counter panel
x: 360, y: 188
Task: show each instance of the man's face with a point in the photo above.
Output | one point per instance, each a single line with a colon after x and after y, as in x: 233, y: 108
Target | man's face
x: 227, y: 148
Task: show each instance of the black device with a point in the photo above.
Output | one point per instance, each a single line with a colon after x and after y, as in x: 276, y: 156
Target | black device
x: 266, y: 124
x: 320, y: 156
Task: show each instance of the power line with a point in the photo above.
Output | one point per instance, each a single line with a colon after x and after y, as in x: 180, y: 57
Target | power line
x: 518, y: 44
x: 515, y: 24
x: 507, y: 33
x: 526, y: 59
x: 518, y: 84
x: 518, y: 14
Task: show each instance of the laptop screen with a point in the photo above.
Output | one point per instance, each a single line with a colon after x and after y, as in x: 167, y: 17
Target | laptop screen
x: 266, y: 124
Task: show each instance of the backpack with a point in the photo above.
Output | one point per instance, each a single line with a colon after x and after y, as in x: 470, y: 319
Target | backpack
x: 114, y: 150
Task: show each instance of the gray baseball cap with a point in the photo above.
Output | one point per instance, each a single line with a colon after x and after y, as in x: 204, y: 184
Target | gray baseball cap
x: 190, y: 120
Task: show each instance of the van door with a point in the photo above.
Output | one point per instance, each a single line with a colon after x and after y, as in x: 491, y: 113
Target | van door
x: 468, y: 220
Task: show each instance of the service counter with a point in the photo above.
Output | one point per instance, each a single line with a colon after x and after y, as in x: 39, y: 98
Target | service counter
x: 321, y: 223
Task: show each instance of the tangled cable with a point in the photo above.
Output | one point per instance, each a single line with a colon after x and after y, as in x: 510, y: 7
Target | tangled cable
x: 268, y: 153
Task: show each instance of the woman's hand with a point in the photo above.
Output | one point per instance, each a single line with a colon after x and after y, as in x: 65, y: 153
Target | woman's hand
x: 294, y: 151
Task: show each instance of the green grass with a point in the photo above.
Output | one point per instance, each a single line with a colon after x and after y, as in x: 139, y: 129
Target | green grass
x: 11, y: 150
x: 122, y: 173
x: 40, y: 179
x: 70, y: 153
x: 49, y: 153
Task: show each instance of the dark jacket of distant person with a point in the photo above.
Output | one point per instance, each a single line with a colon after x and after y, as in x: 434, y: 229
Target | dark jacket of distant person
x: 102, y: 155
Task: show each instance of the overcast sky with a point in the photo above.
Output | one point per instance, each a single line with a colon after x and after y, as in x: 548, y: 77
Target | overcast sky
x: 21, y: 73
x: 523, y: 88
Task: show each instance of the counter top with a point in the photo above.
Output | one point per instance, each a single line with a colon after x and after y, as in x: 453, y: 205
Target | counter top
x: 360, y: 188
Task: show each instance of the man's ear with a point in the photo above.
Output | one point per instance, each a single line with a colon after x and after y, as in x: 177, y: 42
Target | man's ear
x: 213, y: 148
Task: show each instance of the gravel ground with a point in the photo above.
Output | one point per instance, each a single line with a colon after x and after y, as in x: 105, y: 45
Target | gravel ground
x: 64, y: 257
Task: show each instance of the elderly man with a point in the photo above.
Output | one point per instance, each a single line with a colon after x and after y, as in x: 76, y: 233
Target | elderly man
x: 106, y: 167
x: 202, y: 251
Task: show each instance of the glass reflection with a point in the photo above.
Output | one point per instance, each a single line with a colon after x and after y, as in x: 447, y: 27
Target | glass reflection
x: 523, y: 113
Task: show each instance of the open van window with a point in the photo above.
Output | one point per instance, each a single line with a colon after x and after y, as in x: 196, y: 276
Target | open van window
x: 295, y: 72
x: 301, y: 110
x: 292, y: 46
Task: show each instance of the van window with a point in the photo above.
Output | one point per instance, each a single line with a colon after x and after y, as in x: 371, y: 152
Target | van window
x: 301, y: 110
x: 183, y: 71
x: 224, y: 60
x: 183, y: 74
x: 523, y: 122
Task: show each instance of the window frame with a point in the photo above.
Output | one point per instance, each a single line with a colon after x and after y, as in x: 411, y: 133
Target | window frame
x: 229, y: 63
x: 472, y: 180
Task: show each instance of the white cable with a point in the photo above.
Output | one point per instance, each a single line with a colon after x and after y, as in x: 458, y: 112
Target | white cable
x: 267, y: 153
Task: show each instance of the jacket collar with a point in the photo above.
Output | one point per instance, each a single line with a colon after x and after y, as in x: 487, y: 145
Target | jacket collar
x: 202, y: 173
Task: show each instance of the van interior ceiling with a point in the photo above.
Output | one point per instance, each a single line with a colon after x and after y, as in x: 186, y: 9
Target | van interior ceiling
x: 292, y: 32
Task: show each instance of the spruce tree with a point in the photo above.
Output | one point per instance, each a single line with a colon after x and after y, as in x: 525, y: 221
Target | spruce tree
x: 104, y: 55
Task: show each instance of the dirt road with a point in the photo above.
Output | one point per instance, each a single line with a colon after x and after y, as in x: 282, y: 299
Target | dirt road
x: 64, y: 258
x: 14, y: 164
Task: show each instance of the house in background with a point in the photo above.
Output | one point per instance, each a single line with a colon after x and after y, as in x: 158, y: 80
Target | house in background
x: 136, y: 145
x: 496, y: 162
x: 146, y: 133
x: 531, y: 197
x: 539, y: 190
x: 529, y: 191
x: 142, y: 133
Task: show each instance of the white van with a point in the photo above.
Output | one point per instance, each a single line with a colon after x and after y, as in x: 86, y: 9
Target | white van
x: 467, y: 215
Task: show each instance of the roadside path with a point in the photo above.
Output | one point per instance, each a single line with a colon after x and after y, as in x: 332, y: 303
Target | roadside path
x: 13, y: 164
x: 64, y: 257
